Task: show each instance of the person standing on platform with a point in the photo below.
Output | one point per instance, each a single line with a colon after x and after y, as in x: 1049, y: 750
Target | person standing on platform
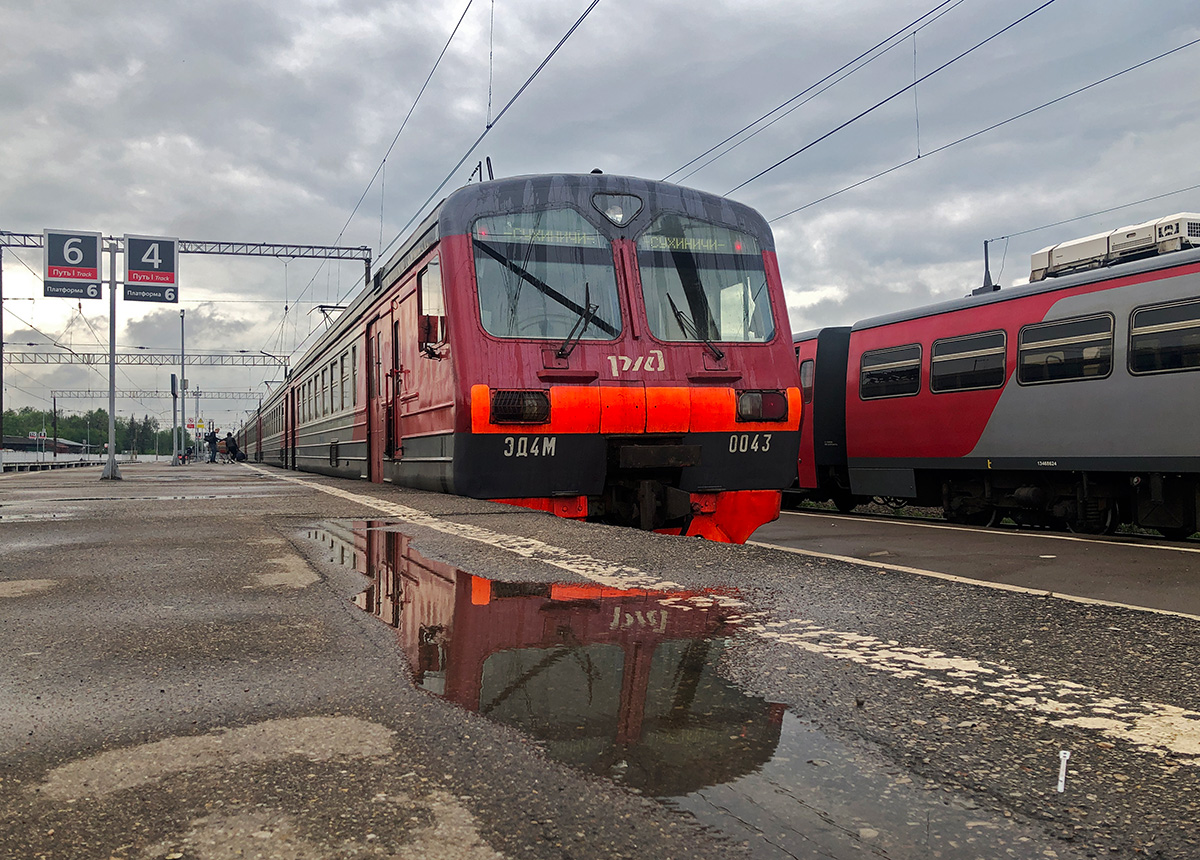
x: 210, y: 439
x: 231, y: 448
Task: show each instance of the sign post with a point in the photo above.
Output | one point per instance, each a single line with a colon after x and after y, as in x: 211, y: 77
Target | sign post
x: 111, y: 472
x: 72, y: 264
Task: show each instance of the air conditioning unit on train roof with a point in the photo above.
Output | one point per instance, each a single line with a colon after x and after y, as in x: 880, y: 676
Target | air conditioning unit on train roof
x: 1160, y: 236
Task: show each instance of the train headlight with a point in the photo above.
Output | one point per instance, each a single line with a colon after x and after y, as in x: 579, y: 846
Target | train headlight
x: 762, y: 406
x: 520, y: 407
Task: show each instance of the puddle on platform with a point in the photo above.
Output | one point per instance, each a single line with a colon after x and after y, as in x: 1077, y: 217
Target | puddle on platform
x: 624, y: 684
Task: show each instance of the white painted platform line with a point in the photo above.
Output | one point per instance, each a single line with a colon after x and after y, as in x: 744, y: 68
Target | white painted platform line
x: 982, y: 583
x: 1151, y: 727
x: 603, y: 572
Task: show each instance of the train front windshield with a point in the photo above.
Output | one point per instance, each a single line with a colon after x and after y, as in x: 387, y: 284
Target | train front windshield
x: 703, y: 282
x: 546, y: 274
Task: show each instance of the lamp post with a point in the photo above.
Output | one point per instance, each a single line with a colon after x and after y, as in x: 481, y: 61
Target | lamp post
x: 182, y: 396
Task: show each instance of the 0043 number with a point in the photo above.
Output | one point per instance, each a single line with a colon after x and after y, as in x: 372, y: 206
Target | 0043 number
x: 745, y: 443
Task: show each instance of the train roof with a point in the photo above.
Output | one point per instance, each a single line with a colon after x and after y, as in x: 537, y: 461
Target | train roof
x: 462, y: 207
x: 1135, y: 267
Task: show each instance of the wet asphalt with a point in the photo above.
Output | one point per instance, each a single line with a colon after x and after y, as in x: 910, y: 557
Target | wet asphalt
x: 184, y: 674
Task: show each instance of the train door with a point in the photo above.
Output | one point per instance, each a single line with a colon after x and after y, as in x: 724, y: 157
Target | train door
x: 380, y: 391
x: 405, y: 343
x: 289, y: 436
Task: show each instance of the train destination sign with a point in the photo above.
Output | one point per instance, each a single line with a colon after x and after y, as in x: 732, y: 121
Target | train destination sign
x: 72, y: 264
x: 151, y: 267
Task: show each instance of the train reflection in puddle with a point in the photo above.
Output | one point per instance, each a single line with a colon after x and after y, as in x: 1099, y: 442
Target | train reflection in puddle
x: 623, y: 684
x: 618, y: 683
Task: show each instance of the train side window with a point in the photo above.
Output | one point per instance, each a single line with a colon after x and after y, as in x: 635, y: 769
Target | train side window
x: 968, y: 363
x: 377, y: 358
x: 807, y: 373
x: 893, y: 372
x: 1066, y: 350
x: 354, y: 376
x: 343, y: 400
x: 1165, y: 338
x: 431, y: 308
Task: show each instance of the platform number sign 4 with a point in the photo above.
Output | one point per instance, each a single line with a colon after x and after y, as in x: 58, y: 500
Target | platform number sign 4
x: 151, y: 269
x: 72, y: 267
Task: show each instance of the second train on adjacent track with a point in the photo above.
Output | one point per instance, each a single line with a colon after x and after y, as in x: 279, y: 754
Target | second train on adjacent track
x: 1068, y: 402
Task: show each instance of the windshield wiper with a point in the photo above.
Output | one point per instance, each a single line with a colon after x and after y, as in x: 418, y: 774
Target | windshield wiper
x: 541, y: 286
x: 581, y: 324
x: 689, y: 328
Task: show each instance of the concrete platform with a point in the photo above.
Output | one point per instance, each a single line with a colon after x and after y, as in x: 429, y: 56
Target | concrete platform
x: 182, y: 676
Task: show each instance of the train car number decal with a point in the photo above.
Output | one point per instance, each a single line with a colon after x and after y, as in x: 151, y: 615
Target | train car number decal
x: 653, y: 363
x: 744, y: 443
x: 530, y: 446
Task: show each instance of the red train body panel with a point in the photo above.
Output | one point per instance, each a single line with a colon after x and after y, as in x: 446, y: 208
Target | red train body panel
x: 593, y: 345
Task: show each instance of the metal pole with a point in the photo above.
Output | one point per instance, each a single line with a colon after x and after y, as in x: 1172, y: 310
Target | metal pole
x: 54, y: 423
x: 111, y: 472
x: 1, y: 360
x: 182, y: 396
x: 174, y: 416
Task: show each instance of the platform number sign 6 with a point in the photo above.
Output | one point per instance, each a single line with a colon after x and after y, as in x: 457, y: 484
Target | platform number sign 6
x: 150, y: 269
x: 72, y: 267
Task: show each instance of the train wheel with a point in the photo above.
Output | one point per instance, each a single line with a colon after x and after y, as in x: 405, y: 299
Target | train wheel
x: 1096, y: 522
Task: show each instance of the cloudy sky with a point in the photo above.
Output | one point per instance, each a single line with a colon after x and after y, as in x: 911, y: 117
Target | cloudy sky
x: 269, y: 121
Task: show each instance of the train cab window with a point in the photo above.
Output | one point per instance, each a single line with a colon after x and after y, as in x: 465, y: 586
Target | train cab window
x: 893, y: 372
x: 1165, y: 338
x: 547, y: 275
x: 431, y: 309
x: 968, y: 363
x: 807, y: 374
x: 1064, y: 351
x: 703, y: 282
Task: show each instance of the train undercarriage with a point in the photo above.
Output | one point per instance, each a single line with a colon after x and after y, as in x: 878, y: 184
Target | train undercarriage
x: 1083, y: 502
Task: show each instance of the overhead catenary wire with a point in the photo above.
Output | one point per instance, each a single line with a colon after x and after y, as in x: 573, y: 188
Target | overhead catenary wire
x: 1150, y: 199
x: 993, y: 127
x: 379, y: 170
x: 890, y: 98
x: 895, y: 37
x: 492, y: 125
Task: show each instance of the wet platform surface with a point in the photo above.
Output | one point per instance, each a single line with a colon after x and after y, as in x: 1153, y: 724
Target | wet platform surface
x: 222, y: 659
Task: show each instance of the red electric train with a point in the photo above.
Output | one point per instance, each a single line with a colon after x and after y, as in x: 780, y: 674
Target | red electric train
x: 1070, y: 401
x: 591, y: 345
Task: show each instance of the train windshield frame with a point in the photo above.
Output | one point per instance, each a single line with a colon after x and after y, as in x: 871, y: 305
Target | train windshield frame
x: 703, y: 282
x: 545, y: 275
